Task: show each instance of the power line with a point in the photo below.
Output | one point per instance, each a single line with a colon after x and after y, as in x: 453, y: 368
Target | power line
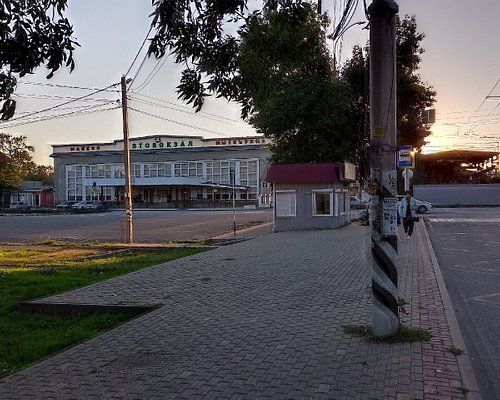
x: 191, y: 113
x: 56, y: 97
x: 66, y: 115
x: 176, y: 122
x: 189, y: 108
x: 62, y: 86
x: 60, y: 105
x: 139, y: 51
x: 480, y: 105
x: 152, y: 74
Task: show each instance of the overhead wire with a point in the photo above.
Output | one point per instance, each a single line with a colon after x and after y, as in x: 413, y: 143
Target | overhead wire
x: 151, y: 75
x: 59, y: 105
x: 25, y: 82
x: 185, y: 109
x: 176, y: 122
x: 139, y: 51
x: 66, y: 115
x: 480, y: 105
x: 56, y: 97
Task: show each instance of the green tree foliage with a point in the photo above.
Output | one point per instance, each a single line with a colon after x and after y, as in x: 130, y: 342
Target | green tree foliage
x: 413, y: 95
x: 42, y: 173
x: 278, y: 69
x: 286, y: 75
x: 32, y: 33
x: 20, y: 165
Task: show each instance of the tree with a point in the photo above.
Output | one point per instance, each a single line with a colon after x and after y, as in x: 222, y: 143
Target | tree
x: 413, y: 95
x: 43, y: 173
x: 32, y: 33
x: 288, y: 85
x: 200, y: 35
x: 278, y: 69
x: 20, y: 164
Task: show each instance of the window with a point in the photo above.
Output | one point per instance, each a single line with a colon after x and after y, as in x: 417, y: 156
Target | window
x: 286, y: 203
x: 341, y: 198
x: 322, y: 202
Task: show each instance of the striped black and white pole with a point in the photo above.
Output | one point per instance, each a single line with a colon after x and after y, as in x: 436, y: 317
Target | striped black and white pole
x: 383, y: 166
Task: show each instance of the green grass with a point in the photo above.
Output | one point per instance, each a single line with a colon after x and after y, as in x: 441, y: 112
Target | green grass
x: 29, y: 273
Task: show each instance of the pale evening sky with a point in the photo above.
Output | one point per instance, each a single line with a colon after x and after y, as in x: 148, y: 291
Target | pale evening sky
x: 461, y: 61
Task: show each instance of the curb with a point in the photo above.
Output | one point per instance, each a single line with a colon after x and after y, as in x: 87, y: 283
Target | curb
x: 463, y: 361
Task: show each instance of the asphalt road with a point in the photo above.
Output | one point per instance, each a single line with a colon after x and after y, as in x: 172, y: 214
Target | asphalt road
x: 149, y: 226
x: 467, y: 245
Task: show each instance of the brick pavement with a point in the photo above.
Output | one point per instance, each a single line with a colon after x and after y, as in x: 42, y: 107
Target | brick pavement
x: 260, y: 319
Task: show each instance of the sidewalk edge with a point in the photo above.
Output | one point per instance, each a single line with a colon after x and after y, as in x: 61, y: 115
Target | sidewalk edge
x: 464, y: 363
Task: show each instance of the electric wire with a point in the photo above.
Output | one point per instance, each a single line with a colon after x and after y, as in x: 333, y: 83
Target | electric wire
x: 56, y: 97
x: 480, y: 105
x: 188, y: 110
x: 66, y: 115
x: 176, y: 122
x: 139, y: 51
x: 59, y: 105
x: 24, y: 82
x: 151, y: 75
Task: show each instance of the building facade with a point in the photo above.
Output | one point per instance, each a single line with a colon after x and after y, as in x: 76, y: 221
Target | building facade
x: 310, y: 196
x: 33, y: 194
x: 166, y: 171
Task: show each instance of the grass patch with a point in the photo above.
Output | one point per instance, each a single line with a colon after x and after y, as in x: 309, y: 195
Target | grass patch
x: 403, y: 334
x: 455, y: 351
x: 357, y: 330
x: 407, y: 334
x: 29, y: 272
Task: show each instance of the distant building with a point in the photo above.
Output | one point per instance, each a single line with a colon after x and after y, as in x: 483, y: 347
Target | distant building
x: 310, y: 196
x: 34, y: 194
x: 167, y: 171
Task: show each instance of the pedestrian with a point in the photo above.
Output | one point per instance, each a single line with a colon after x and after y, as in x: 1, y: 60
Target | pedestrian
x: 407, y: 211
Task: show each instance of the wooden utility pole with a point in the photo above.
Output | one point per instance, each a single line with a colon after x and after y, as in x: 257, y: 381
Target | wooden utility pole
x: 129, y: 231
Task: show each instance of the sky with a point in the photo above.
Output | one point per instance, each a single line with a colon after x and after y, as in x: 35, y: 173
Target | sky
x: 461, y: 62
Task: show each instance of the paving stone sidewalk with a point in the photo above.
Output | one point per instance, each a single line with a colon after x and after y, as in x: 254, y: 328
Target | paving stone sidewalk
x: 260, y: 319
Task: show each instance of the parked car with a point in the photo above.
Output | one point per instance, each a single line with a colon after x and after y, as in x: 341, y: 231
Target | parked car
x: 65, y: 204
x: 81, y: 205
x: 422, y: 205
x: 96, y: 205
x: 19, y: 205
x: 356, y: 202
x: 88, y: 205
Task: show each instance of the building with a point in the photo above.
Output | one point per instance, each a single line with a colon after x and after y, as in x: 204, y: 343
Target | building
x: 167, y: 171
x: 33, y: 194
x: 310, y: 196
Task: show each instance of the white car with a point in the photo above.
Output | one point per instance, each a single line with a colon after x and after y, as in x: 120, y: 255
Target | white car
x: 81, y: 205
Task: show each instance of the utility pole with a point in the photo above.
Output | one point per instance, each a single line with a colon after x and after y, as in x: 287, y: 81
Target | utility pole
x: 232, y: 173
x: 382, y: 185
x: 129, y: 235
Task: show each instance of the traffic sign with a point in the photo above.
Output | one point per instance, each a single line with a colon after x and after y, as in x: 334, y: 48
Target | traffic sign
x: 406, y: 158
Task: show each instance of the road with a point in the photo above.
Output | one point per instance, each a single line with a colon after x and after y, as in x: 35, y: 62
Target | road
x: 149, y: 226
x: 467, y: 246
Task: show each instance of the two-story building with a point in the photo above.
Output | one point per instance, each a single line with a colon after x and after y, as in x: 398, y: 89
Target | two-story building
x: 166, y: 171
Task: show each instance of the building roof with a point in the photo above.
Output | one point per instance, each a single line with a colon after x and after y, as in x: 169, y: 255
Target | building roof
x: 461, y: 156
x: 304, y: 173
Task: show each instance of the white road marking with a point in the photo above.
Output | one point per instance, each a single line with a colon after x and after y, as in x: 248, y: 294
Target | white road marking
x: 466, y: 220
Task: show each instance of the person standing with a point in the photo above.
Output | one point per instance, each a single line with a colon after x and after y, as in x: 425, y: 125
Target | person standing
x: 407, y: 210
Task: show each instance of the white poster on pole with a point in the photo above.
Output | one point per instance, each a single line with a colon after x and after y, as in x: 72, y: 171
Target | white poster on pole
x: 390, y: 216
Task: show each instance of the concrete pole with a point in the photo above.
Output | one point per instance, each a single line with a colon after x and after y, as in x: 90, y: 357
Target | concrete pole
x: 383, y: 166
